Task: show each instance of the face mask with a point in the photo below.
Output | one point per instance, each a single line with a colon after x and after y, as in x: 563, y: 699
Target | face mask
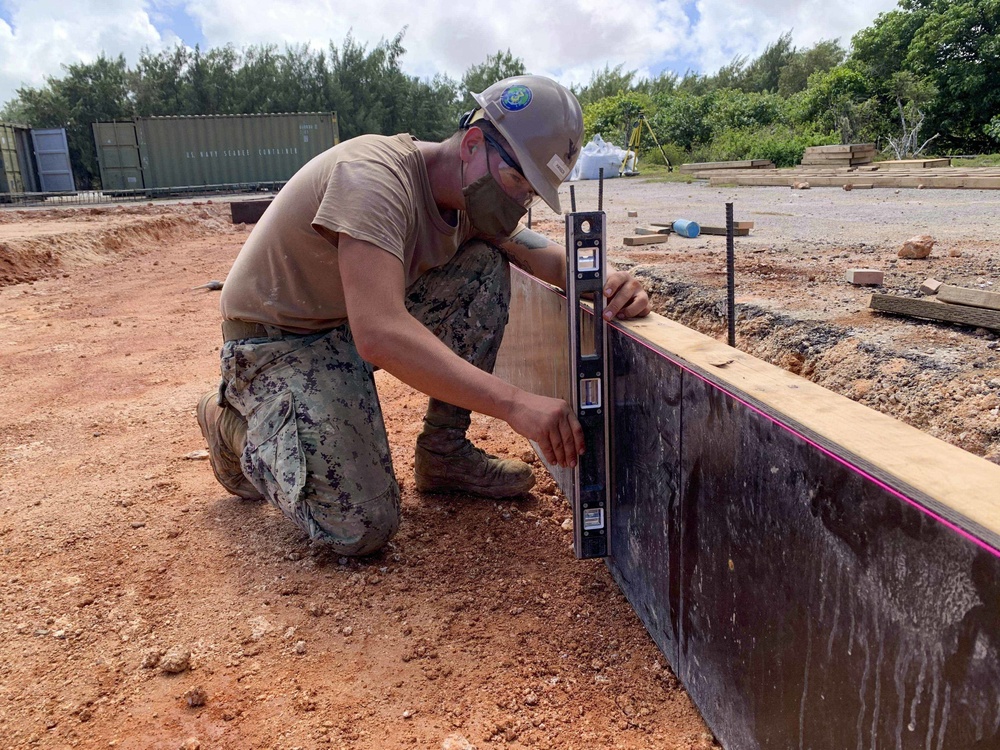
x: 490, y: 209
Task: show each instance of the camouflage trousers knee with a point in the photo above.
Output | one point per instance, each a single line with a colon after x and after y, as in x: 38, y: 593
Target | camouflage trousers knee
x: 316, y: 444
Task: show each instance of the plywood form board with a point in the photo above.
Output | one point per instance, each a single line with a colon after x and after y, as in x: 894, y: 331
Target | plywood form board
x: 818, y: 574
x: 960, y: 295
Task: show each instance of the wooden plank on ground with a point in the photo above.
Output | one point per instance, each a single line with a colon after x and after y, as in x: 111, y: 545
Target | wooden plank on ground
x: 914, y: 163
x: 722, y: 231
x: 741, y: 228
x: 646, y: 239
x: 850, y: 148
x: 710, y: 165
x: 653, y: 230
x: 918, y: 308
x: 960, y: 295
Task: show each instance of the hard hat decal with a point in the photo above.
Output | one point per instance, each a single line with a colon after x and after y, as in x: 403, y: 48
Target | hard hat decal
x: 515, y: 98
x: 558, y: 167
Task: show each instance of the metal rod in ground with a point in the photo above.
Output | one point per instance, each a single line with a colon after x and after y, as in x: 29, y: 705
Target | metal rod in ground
x: 572, y: 198
x: 600, y: 189
x: 730, y: 275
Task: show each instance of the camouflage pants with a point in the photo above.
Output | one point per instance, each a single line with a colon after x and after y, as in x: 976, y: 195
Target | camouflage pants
x: 316, y: 443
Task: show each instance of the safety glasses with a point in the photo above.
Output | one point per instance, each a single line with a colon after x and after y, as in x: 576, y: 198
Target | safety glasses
x: 516, y: 184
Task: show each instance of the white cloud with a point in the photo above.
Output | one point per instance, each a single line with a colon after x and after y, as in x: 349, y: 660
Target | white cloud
x: 45, y: 34
x: 728, y: 28
x: 565, y: 38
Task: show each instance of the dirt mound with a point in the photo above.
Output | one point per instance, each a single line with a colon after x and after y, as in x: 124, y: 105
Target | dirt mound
x: 40, y: 244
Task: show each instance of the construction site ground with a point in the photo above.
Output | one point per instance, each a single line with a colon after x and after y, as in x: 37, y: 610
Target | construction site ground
x: 143, y: 607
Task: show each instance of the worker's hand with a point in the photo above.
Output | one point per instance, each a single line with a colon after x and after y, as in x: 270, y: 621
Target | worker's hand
x: 551, y: 423
x: 625, y: 297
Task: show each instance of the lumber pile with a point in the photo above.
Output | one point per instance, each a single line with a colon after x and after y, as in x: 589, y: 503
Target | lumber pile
x: 697, y: 168
x: 953, y: 304
x: 850, y: 155
x: 969, y: 178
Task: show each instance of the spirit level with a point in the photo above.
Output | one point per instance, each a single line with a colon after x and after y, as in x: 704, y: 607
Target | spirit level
x: 588, y: 360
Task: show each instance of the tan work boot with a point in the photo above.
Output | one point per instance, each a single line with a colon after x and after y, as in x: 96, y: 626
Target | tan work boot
x: 446, y: 461
x: 226, y: 434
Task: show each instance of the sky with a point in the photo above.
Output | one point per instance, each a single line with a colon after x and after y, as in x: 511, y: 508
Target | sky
x: 565, y: 39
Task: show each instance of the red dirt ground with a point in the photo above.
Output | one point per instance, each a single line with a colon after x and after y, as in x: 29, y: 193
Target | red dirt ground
x: 475, y: 628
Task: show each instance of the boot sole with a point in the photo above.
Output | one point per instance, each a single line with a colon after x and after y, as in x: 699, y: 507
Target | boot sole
x: 493, y: 493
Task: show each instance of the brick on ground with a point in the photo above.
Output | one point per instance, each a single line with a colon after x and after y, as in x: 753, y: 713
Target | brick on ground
x: 864, y: 276
x: 930, y: 286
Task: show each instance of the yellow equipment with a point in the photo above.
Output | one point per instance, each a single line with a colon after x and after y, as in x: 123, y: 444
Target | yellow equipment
x: 632, y: 148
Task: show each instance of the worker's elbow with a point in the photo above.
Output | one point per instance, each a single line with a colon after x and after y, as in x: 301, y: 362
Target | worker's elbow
x: 371, y: 345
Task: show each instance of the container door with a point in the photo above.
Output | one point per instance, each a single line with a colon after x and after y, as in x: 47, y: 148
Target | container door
x: 26, y: 158
x: 118, y: 156
x: 52, y: 156
x: 10, y: 169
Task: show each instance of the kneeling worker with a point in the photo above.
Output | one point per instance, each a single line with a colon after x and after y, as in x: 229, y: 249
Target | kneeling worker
x: 390, y: 252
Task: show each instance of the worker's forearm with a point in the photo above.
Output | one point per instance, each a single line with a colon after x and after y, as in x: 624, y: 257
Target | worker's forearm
x: 411, y: 353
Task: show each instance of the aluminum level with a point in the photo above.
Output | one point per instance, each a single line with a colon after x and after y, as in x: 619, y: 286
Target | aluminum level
x: 177, y: 152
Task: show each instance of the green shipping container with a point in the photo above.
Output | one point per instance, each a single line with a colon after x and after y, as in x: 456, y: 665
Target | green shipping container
x: 16, y: 166
x: 175, y: 152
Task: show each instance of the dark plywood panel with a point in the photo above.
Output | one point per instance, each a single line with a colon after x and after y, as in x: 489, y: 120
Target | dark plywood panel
x: 803, y: 602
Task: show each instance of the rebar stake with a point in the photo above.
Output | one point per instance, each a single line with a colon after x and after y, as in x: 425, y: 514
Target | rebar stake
x: 730, y: 275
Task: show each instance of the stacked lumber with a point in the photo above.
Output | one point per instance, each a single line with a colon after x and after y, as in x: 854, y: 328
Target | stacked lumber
x: 714, y: 166
x: 953, y: 304
x: 970, y: 178
x: 850, y: 155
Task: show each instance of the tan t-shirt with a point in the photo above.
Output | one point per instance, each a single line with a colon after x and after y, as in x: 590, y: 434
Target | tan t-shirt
x: 373, y: 188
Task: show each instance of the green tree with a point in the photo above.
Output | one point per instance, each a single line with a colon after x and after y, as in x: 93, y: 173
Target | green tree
x: 764, y: 73
x: 604, y: 83
x: 957, y: 49
x: 88, y: 93
x: 821, y: 57
x: 841, y: 100
x: 683, y: 119
x: 157, y: 82
x: 612, y: 117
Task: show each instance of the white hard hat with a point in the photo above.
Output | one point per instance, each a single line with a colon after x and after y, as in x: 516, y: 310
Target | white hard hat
x: 543, y: 123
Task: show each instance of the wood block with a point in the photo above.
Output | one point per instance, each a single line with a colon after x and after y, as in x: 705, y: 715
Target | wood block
x: 864, y: 276
x: 973, y: 297
x: 633, y: 214
x: 918, y: 308
x: 646, y: 239
x: 930, y: 286
x: 653, y: 230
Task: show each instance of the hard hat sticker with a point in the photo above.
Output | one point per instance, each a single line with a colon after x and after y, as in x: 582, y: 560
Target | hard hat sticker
x: 515, y: 98
x: 559, y: 168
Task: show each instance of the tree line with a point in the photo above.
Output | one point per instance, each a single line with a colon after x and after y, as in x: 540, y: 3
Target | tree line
x: 921, y: 79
